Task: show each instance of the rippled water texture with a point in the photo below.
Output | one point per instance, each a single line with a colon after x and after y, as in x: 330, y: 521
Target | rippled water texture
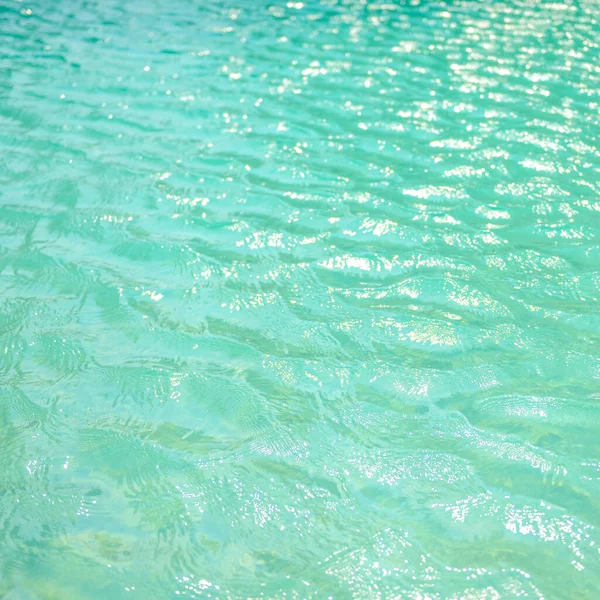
x: 299, y: 300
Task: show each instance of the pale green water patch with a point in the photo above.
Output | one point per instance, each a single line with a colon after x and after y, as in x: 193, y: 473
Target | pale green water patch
x: 299, y: 300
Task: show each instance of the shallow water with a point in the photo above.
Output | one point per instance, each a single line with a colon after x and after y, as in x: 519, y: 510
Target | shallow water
x: 299, y: 300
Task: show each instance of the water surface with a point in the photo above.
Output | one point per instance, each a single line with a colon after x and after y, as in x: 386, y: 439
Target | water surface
x: 299, y: 299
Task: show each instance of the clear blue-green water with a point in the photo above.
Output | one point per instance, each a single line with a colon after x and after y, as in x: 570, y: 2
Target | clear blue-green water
x: 299, y: 299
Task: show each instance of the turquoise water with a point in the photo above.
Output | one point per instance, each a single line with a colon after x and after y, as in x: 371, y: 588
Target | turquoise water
x: 299, y: 299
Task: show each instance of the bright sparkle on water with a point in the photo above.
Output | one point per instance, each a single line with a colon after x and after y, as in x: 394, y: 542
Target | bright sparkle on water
x: 299, y: 299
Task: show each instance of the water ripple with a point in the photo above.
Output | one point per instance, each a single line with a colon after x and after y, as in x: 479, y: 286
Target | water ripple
x: 298, y: 299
